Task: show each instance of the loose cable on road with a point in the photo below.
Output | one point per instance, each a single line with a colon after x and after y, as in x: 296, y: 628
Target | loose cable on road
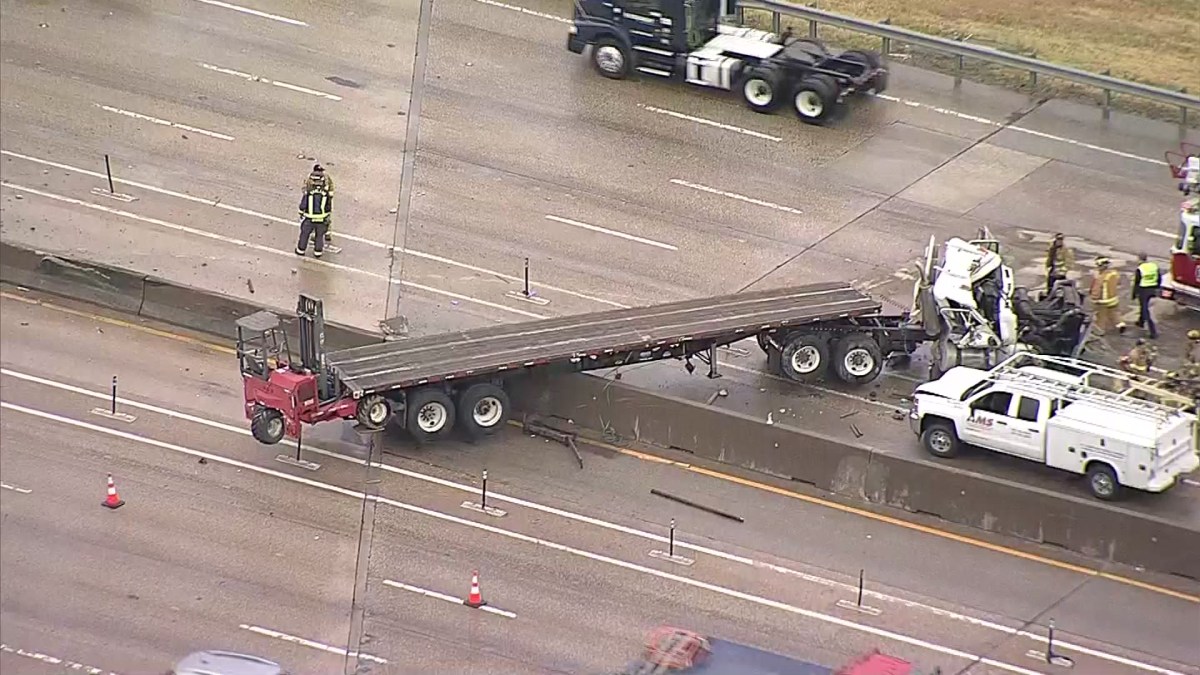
x: 687, y: 502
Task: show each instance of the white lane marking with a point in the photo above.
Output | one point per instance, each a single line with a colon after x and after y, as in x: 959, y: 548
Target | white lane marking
x: 1160, y: 233
x: 255, y: 12
x: 523, y: 10
x: 448, y: 598
x: 708, y: 122
x: 734, y: 195
x: 295, y: 224
x: 277, y: 83
x: 605, y: 230
x: 14, y: 488
x: 165, y: 123
x: 716, y: 553
x: 545, y: 543
x: 304, y: 642
x: 1020, y: 129
x: 267, y: 249
x: 67, y: 664
x: 1192, y: 483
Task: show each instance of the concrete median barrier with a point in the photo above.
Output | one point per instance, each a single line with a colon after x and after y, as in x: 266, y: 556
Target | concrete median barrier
x: 782, y: 454
x: 149, y: 297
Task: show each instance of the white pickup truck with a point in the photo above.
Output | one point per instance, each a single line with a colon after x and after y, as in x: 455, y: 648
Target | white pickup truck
x: 1051, y: 410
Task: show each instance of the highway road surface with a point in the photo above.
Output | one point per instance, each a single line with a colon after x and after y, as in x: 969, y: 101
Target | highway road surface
x: 219, y: 545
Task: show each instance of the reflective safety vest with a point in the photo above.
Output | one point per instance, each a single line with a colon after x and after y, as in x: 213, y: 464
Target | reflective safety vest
x: 315, y: 206
x: 1148, y: 275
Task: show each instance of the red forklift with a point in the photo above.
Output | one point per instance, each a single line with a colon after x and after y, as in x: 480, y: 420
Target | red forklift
x: 1183, y: 283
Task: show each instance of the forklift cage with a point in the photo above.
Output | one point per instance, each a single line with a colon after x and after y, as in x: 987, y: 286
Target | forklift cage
x: 262, y: 344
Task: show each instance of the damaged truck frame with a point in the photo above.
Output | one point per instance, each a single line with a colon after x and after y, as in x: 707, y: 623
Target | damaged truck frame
x: 967, y: 307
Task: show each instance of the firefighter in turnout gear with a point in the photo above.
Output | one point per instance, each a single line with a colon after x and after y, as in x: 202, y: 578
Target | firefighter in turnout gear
x: 1147, y: 280
x: 314, y: 219
x: 1139, y: 359
x: 1058, y: 262
x: 1104, y: 297
x: 319, y: 181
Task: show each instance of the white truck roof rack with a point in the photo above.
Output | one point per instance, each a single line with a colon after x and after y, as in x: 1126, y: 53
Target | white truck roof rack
x: 1124, y: 392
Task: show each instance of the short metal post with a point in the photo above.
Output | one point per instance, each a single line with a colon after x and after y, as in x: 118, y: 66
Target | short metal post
x: 1107, y: 108
x: 483, y: 495
x: 775, y: 22
x: 1033, y: 81
x: 1050, y: 643
x: 671, y: 540
x: 108, y: 171
x: 299, y: 441
x: 958, y: 72
x: 886, y: 48
x: 114, y: 397
x: 526, y: 277
x: 1183, y: 113
x: 812, y: 30
x: 860, y: 586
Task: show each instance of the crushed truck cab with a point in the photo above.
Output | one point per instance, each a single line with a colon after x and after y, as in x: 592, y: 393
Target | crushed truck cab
x: 1064, y: 413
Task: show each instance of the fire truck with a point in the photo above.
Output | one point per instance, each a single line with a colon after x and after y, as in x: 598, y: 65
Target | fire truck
x: 1183, y: 283
x: 675, y: 650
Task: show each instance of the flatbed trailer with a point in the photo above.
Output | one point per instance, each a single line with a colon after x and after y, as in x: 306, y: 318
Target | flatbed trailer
x: 428, y: 384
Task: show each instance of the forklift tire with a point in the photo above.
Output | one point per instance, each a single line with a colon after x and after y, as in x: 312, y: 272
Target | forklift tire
x: 761, y: 89
x: 857, y: 359
x: 805, y: 358
x: 373, y: 413
x: 267, y: 426
x: 611, y: 58
x: 482, y: 410
x: 428, y: 415
x: 815, y: 99
x: 1102, y: 482
x: 940, y: 440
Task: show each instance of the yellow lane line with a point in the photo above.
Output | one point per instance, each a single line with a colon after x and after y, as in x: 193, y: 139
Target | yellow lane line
x: 917, y: 527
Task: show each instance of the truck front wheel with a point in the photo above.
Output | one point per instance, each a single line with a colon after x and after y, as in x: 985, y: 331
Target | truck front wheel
x: 1102, y: 481
x: 858, y: 359
x: 428, y: 414
x: 940, y: 440
x: 373, y: 412
x: 267, y: 426
x: 482, y: 410
x: 611, y: 58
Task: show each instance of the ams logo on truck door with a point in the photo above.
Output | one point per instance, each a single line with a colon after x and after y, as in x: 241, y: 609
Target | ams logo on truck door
x: 980, y: 421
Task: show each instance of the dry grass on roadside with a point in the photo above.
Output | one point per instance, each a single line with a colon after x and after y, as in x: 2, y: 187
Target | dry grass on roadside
x: 1149, y: 41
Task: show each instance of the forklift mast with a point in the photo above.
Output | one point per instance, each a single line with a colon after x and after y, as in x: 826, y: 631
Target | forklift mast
x: 310, y: 316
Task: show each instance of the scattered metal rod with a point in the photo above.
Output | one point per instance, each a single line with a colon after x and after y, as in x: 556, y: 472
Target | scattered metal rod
x: 565, y: 437
x: 688, y: 502
x: 715, y: 395
x: 857, y: 433
x: 849, y: 414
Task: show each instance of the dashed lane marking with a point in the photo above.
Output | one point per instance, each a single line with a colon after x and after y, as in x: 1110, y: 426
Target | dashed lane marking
x: 528, y: 539
x: 1160, y: 233
x: 615, y: 233
x: 708, y: 122
x: 267, y: 249
x: 304, y: 642
x: 264, y: 80
x: 66, y: 664
x: 995, y: 548
x: 1019, y: 129
x: 14, y: 488
x: 165, y: 123
x: 448, y: 598
x: 523, y: 10
x: 734, y: 195
x: 293, y: 223
x: 254, y: 12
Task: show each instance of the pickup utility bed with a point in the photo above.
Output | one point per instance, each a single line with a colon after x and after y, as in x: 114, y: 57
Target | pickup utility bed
x: 591, y: 340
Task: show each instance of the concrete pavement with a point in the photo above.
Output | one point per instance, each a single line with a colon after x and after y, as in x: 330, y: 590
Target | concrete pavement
x: 573, y: 610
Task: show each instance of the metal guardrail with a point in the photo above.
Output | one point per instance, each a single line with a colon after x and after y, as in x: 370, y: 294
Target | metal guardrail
x: 963, y: 50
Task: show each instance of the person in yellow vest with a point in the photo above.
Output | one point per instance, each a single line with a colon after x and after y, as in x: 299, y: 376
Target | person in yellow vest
x: 1104, y: 297
x: 1059, y: 260
x: 1147, y: 280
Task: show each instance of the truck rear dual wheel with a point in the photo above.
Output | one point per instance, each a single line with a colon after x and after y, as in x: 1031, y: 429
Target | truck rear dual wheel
x: 805, y: 358
x: 761, y: 89
x: 858, y: 359
x: 815, y: 99
x: 428, y: 414
x: 482, y: 410
x: 267, y: 426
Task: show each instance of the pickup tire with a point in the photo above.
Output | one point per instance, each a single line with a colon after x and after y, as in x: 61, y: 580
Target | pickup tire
x: 428, y: 414
x: 940, y: 440
x: 267, y: 426
x: 815, y: 99
x: 805, y: 358
x: 761, y: 89
x: 611, y: 58
x: 373, y: 413
x: 1102, y: 481
x: 482, y: 410
x: 858, y: 359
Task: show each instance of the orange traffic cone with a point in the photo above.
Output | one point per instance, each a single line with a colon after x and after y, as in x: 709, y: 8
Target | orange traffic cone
x: 113, y: 501
x: 475, y: 599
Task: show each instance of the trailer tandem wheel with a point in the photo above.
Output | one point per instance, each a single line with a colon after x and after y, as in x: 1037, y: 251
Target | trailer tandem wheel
x: 858, y: 359
x: 805, y: 357
x: 482, y: 409
x: 267, y: 426
x: 428, y: 414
